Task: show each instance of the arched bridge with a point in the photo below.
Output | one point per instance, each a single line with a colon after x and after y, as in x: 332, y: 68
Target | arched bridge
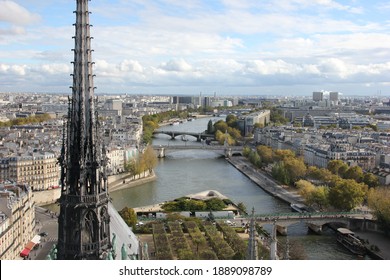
x: 314, y: 220
x: 226, y: 151
x: 198, y: 135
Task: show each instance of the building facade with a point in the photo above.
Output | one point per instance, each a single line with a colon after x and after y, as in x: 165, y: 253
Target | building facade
x: 17, y: 219
x: 248, y: 122
x: 318, y: 96
x: 37, y: 169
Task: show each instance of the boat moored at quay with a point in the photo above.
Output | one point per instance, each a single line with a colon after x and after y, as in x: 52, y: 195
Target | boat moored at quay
x: 348, y: 239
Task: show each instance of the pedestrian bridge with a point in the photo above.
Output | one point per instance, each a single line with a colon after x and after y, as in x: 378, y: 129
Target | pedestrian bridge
x: 227, y: 151
x: 314, y: 220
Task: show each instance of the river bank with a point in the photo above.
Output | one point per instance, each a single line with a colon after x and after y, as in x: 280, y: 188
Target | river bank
x: 127, y: 180
x: 266, y: 182
x: 195, y: 116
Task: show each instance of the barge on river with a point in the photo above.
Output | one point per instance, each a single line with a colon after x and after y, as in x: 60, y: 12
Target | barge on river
x: 348, y: 239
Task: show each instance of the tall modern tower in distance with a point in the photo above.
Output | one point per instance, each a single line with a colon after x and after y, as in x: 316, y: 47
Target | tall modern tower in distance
x: 318, y: 96
x: 84, y: 221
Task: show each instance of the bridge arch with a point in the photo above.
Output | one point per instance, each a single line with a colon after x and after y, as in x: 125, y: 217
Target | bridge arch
x: 173, y: 134
x: 162, y: 151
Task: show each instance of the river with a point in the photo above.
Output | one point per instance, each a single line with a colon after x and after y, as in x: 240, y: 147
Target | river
x: 192, y: 171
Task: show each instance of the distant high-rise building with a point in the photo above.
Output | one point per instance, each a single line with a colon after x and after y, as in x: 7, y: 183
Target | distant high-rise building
x: 334, y: 96
x: 182, y: 100
x: 206, y: 101
x: 114, y: 104
x: 318, y: 96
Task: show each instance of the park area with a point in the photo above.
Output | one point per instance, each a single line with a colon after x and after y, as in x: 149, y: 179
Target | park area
x: 195, y: 240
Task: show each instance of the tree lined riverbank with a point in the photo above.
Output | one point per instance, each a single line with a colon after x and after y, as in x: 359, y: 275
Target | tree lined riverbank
x: 264, y: 181
x: 374, y: 239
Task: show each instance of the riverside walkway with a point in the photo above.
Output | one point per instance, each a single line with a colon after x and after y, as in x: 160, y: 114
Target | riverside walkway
x: 272, y: 187
x: 264, y: 181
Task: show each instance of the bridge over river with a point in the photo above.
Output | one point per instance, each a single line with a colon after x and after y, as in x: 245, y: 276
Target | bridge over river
x: 226, y: 151
x: 314, y: 220
x: 198, y: 135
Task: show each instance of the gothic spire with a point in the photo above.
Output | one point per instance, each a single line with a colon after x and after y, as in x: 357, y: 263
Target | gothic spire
x: 84, y: 220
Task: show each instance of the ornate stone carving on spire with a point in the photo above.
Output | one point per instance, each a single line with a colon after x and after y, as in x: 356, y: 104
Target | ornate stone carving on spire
x: 84, y: 231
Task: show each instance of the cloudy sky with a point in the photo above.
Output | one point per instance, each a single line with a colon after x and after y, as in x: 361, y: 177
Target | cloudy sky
x: 247, y: 47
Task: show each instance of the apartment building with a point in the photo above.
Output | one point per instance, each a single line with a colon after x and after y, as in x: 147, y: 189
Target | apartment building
x: 247, y: 123
x: 17, y: 219
x: 116, y: 160
x: 37, y: 169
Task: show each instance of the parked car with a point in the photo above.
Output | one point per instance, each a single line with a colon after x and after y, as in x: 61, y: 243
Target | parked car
x: 43, y: 234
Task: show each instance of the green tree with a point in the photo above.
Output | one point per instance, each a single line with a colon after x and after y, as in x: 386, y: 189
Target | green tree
x: 210, y: 127
x: 295, y: 168
x: 321, y: 174
x: 277, y: 116
x: 305, y: 188
x: 129, y: 216
x: 241, y: 206
x: 28, y: 120
x: 246, y: 151
x: 379, y: 201
x: 215, y: 204
x: 347, y: 194
x: 194, y: 205
x: 370, y: 180
x: 254, y: 158
x: 279, y: 172
x: 140, y: 165
x: 131, y: 167
x: 265, y: 153
x: 220, y: 137
x: 151, y: 124
x: 234, y: 133
x: 171, y: 206
x: 221, y: 126
x: 314, y: 196
x: 319, y: 198
x: 149, y: 158
x: 282, y: 154
x: 334, y: 166
x: 355, y: 173
x: 231, y: 120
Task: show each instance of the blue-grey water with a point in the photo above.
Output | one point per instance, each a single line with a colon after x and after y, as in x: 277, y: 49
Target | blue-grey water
x: 192, y: 171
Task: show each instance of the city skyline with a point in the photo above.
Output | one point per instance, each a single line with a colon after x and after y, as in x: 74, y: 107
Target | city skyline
x: 186, y: 47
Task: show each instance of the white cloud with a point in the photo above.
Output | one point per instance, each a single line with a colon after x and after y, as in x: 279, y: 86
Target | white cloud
x: 18, y: 70
x: 13, y: 30
x: 55, y: 69
x: 176, y: 65
x: 131, y: 66
x: 182, y: 43
x: 14, y: 13
x: 221, y: 72
x: 319, y: 4
x: 335, y: 67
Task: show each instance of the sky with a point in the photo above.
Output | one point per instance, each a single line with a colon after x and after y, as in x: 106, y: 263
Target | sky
x: 228, y: 47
